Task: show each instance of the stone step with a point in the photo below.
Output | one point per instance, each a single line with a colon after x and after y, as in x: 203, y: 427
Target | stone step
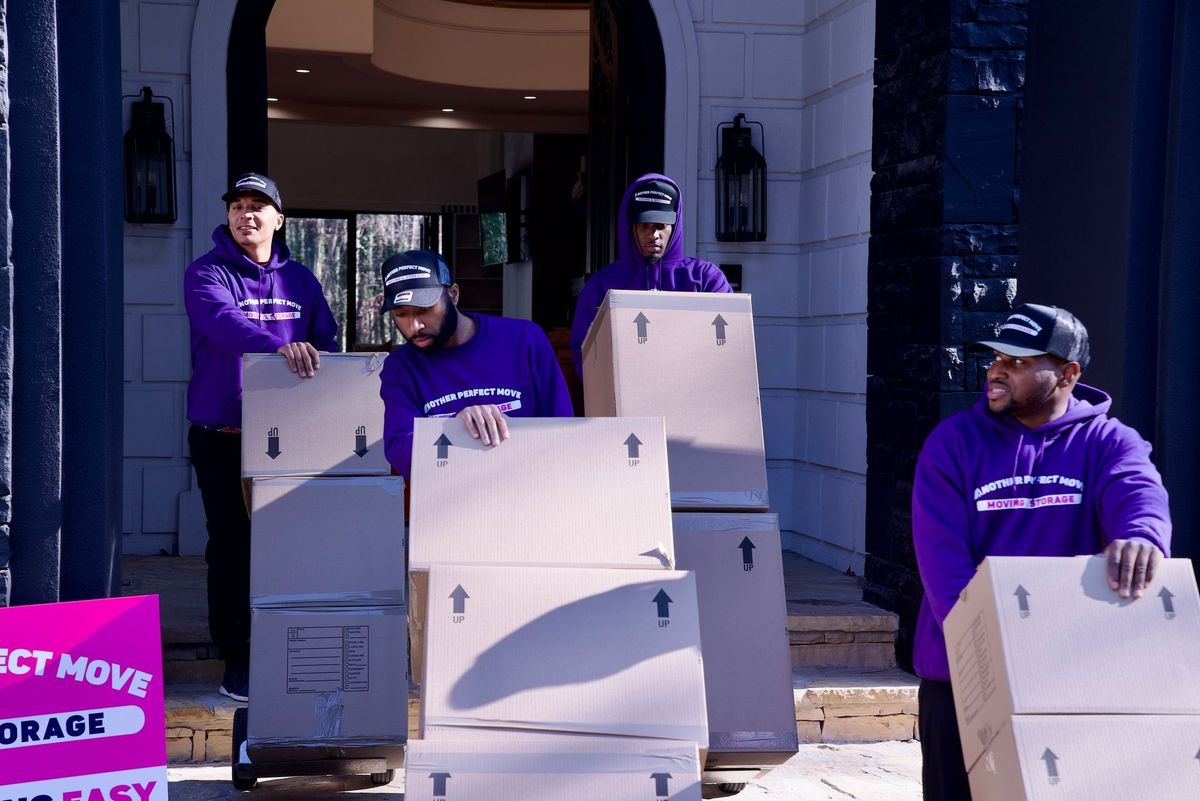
x: 833, y: 705
x: 854, y: 705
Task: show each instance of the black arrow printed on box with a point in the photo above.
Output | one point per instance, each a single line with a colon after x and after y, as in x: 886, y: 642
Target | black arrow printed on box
x: 439, y: 783
x: 664, y: 603
x: 460, y: 599
x: 640, y: 321
x: 747, y: 548
x: 720, y: 324
x: 1168, y: 604
x: 1051, y: 760
x: 1022, y: 600
x: 360, y: 441
x: 632, y: 443
x: 273, y: 443
x: 443, y: 444
x: 660, y: 784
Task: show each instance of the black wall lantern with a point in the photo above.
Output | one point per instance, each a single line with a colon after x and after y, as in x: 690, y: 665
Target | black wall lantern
x: 741, y: 183
x: 149, y: 162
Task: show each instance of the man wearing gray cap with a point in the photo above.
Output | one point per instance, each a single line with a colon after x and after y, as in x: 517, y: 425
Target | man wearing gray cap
x: 1035, y: 468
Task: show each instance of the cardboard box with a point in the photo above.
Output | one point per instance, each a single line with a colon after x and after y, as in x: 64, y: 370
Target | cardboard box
x: 551, y: 768
x: 1045, y: 635
x: 688, y: 357
x: 328, y: 682
x: 327, y: 540
x: 330, y: 424
x: 591, y: 651
x: 738, y: 562
x: 1090, y: 757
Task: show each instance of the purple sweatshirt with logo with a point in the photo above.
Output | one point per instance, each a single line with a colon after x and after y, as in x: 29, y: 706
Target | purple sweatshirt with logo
x: 986, y: 485
x: 673, y: 273
x: 237, y: 306
x: 508, y: 362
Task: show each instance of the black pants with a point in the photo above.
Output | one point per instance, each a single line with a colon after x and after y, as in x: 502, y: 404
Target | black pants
x: 217, y: 458
x: 943, y: 774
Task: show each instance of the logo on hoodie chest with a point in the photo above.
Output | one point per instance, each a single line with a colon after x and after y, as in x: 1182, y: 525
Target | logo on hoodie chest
x: 292, y: 309
x: 1064, y: 491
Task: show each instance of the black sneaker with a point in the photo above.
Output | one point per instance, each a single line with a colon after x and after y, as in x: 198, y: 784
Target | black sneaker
x: 235, y: 683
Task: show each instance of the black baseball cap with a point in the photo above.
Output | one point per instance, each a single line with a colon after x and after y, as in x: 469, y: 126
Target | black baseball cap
x: 414, y: 278
x: 1033, y: 330
x: 654, y: 201
x: 256, y: 183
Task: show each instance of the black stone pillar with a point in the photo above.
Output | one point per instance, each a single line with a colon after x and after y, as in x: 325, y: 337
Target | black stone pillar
x: 35, y: 208
x: 943, y: 251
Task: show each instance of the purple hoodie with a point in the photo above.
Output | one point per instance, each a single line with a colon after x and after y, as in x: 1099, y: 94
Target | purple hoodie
x: 673, y: 273
x: 507, y: 362
x: 986, y: 485
x: 236, y: 306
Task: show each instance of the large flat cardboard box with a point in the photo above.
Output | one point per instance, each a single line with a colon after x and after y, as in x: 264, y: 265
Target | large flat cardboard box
x: 1090, y: 757
x: 738, y: 562
x: 590, y: 651
x: 330, y: 424
x: 688, y: 357
x: 552, y: 767
x: 328, y: 682
x: 1046, y: 635
x: 327, y: 541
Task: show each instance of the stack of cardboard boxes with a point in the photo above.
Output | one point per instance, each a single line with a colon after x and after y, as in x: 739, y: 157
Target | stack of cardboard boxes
x: 1063, y: 690
x: 328, y: 656
x: 554, y: 649
x: 690, y: 358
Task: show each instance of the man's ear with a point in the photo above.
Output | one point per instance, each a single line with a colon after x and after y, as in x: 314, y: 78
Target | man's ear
x: 1070, y: 374
x: 279, y: 222
x: 453, y: 293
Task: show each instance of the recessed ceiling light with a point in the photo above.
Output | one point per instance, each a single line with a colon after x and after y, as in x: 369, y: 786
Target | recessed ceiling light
x: 447, y: 110
x: 303, y: 72
x: 531, y: 97
x: 272, y: 99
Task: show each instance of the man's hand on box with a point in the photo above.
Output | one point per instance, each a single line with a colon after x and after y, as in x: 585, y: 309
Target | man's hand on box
x: 485, y: 423
x: 1132, y: 564
x: 302, y: 358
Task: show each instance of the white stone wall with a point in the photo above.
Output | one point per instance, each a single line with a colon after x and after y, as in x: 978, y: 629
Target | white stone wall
x: 804, y: 69
x: 156, y: 52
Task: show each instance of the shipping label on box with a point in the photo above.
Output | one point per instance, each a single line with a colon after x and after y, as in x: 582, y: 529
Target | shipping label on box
x: 564, y: 649
x: 328, y: 677
x: 559, y: 491
x: 1089, y: 757
x: 327, y: 541
x: 1046, y: 635
x: 330, y: 424
x: 688, y: 357
x: 738, y: 562
x: 553, y: 766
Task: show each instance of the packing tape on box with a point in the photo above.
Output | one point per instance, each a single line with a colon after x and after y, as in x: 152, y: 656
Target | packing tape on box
x: 551, y: 761
x: 331, y: 599
x: 687, y: 501
x: 725, y: 741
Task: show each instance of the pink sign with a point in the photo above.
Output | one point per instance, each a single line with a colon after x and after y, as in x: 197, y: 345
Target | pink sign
x: 81, y: 702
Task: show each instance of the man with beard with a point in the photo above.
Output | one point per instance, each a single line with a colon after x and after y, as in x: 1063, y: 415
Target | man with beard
x: 649, y: 255
x: 455, y: 364
x: 1035, y: 468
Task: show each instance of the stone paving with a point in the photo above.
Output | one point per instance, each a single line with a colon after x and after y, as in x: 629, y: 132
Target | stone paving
x: 888, y: 771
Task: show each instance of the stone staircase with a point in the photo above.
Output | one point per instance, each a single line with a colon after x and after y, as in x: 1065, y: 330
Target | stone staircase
x: 846, y: 685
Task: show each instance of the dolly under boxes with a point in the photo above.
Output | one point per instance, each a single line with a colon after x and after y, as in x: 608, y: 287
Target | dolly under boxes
x: 1040, y: 637
x: 690, y: 357
x: 552, y: 767
x: 565, y: 492
x: 738, y: 562
x: 330, y: 424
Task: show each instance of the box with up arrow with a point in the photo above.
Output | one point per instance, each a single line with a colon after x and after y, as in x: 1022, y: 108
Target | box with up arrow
x: 1036, y: 636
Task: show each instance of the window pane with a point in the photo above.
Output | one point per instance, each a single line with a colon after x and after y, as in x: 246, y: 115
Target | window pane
x: 380, y: 236
x: 320, y: 244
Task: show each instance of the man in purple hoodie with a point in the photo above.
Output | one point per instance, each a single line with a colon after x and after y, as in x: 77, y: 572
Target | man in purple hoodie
x: 454, y: 364
x: 1035, y: 468
x: 649, y: 255
x: 245, y: 295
